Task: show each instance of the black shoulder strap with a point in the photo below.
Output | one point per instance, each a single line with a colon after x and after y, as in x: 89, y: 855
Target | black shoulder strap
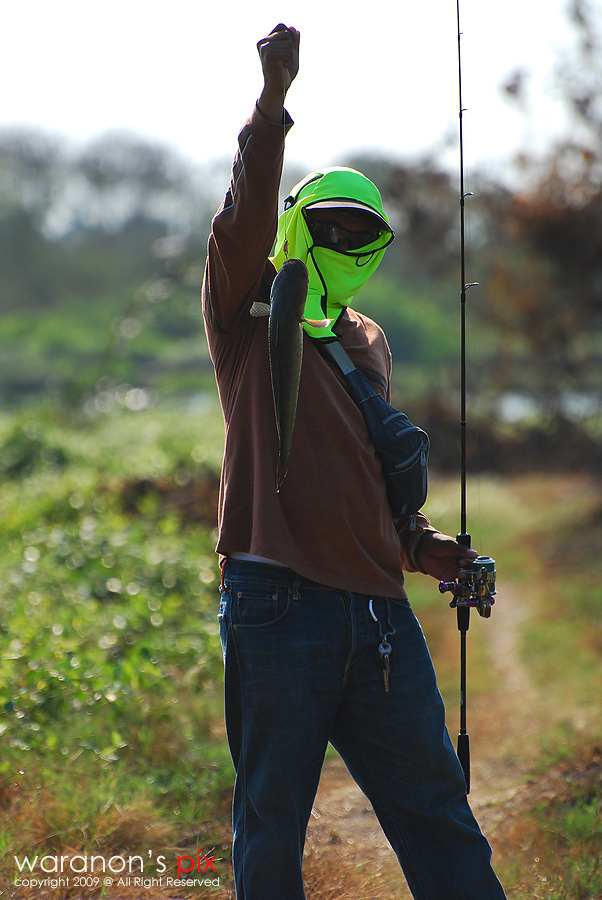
x: 402, y: 447
x: 340, y: 356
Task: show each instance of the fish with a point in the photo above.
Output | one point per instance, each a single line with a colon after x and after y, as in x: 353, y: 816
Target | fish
x: 285, y: 347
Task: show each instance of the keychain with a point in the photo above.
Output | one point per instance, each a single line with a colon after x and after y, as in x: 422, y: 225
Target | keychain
x: 384, y: 649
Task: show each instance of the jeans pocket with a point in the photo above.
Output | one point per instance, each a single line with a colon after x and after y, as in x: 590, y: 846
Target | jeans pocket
x: 258, y: 606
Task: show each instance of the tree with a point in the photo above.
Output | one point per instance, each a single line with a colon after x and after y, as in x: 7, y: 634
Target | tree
x: 545, y: 282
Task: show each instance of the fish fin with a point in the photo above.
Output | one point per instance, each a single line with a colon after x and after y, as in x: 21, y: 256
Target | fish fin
x: 259, y: 309
x: 318, y: 323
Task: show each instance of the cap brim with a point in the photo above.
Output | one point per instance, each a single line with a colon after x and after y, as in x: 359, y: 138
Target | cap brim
x: 348, y: 204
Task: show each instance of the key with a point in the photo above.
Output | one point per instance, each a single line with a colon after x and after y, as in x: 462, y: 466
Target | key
x: 383, y: 654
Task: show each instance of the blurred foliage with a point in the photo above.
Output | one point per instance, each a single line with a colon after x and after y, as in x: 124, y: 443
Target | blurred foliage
x: 109, y: 643
x: 102, y: 253
x: 102, y: 260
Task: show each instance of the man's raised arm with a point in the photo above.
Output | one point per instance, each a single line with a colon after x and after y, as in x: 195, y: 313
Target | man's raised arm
x: 244, y: 227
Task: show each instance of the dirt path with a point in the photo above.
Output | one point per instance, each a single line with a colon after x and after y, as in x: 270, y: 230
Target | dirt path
x: 343, y: 825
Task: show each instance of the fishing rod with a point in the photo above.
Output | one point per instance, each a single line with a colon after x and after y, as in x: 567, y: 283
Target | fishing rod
x: 475, y: 588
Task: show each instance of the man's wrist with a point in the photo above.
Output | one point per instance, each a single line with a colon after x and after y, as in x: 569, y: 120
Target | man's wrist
x: 271, y: 107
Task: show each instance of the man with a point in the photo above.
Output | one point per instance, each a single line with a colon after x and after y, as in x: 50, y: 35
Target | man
x: 312, y: 575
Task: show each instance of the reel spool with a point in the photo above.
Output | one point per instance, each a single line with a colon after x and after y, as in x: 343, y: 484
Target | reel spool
x: 475, y: 588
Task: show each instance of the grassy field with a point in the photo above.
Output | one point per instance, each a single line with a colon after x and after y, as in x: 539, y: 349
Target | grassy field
x: 112, y: 741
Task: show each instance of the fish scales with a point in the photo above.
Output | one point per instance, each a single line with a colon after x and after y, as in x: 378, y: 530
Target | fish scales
x: 285, y: 341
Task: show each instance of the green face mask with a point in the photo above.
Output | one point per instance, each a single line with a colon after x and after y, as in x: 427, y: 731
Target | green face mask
x: 335, y: 276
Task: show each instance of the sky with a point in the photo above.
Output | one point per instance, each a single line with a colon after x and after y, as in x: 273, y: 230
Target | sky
x: 378, y: 77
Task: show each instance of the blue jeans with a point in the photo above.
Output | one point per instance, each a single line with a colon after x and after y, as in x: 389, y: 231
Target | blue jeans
x: 300, y: 671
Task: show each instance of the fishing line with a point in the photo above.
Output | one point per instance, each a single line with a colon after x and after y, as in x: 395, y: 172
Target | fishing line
x: 472, y: 342
x: 472, y: 361
x: 463, y: 289
x: 284, y: 93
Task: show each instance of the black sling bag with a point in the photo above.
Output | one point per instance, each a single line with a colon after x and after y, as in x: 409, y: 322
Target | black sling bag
x: 402, y: 447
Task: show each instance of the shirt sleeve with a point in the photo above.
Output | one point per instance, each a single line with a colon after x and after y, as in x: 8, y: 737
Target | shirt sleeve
x: 244, y: 228
x: 410, y: 530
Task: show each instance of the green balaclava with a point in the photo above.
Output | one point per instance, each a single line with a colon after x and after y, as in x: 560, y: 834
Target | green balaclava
x: 335, y: 276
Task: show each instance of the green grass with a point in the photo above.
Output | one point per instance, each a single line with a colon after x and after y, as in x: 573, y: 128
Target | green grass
x: 560, y: 835
x: 110, y: 665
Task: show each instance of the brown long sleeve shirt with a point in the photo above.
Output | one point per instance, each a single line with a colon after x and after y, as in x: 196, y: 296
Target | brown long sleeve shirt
x: 330, y: 521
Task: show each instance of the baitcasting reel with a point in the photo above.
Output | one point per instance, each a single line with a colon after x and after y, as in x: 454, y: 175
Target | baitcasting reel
x: 476, y: 587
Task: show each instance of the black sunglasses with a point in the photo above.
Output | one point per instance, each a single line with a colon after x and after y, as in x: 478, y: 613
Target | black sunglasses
x: 335, y: 237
